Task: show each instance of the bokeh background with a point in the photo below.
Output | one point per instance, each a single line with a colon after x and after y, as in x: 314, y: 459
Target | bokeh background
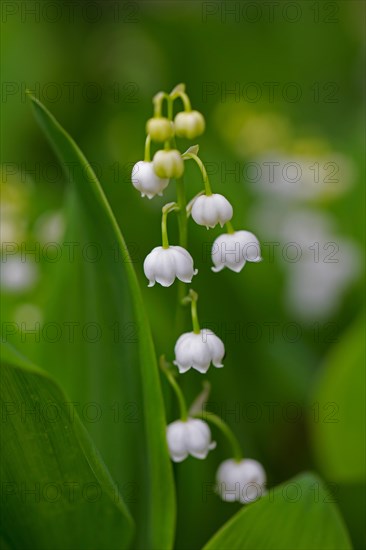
x: 280, y: 86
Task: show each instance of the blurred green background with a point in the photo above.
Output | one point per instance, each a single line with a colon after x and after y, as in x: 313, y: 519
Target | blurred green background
x: 277, y: 83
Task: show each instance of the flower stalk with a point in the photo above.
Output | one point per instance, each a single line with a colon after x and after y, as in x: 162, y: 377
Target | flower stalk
x: 203, y: 170
x: 225, y: 430
x: 230, y: 228
x: 192, y: 298
x: 147, y: 155
x: 164, y: 365
x: 170, y: 207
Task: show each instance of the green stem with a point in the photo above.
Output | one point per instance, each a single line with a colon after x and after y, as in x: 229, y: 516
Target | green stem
x: 182, y: 217
x: 164, y: 230
x: 185, y: 99
x: 183, y: 242
x: 147, y: 156
x: 195, y: 322
x: 230, y: 228
x: 201, y: 166
x: 180, y: 397
x: 170, y: 102
x: 192, y: 298
x: 158, y: 103
x: 224, y: 428
x: 178, y: 392
x: 167, y: 208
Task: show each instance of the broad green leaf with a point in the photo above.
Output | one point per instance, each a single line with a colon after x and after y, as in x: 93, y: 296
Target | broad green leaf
x: 56, y: 491
x: 115, y: 374
x: 339, y: 431
x: 297, y: 514
x: 351, y: 502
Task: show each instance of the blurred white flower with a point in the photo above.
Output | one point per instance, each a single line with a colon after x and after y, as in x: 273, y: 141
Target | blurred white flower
x: 249, y: 133
x: 29, y: 314
x: 163, y: 265
x: 198, y: 351
x: 300, y: 177
x: 233, y: 250
x: 17, y: 275
x: 50, y: 226
x: 10, y: 232
x: 242, y: 481
x: 320, y: 265
x: 191, y: 437
x: 209, y: 210
x: 327, y: 265
x: 168, y: 164
x: 315, y: 288
x: 189, y: 124
x: 146, y: 181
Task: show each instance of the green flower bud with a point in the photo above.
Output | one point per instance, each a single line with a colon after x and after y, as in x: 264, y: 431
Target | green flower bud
x: 189, y: 124
x: 168, y: 164
x: 160, y: 129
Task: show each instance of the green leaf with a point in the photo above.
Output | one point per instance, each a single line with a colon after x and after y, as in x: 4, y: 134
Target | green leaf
x: 56, y: 490
x: 193, y: 150
x: 339, y: 430
x: 297, y: 514
x: 116, y: 371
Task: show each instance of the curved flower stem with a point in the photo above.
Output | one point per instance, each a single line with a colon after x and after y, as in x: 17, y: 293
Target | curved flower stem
x: 147, y: 156
x: 192, y: 298
x: 158, y: 103
x: 179, y: 91
x: 164, y: 231
x: 170, y: 207
x: 226, y: 430
x: 201, y: 166
x: 183, y: 240
x: 178, y: 392
x: 170, y: 103
x: 182, y: 217
x: 185, y: 99
x: 195, y: 322
x: 230, y: 228
x: 198, y: 404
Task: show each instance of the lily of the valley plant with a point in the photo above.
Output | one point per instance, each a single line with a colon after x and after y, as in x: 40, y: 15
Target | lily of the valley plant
x: 238, y: 479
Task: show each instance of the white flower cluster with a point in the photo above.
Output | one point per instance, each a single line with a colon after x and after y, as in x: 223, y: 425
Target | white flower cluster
x: 199, y: 348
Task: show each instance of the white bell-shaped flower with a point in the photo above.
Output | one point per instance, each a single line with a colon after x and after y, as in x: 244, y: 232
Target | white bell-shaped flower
x: 198, y: 351
x: 209, y: 210
x: 168, y: 164
x: 189, y: 124
x: 191, y: 437
x: 146, y: 181
x: 233, y: 250
x: 163, y: 265
x: 242, y: 481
